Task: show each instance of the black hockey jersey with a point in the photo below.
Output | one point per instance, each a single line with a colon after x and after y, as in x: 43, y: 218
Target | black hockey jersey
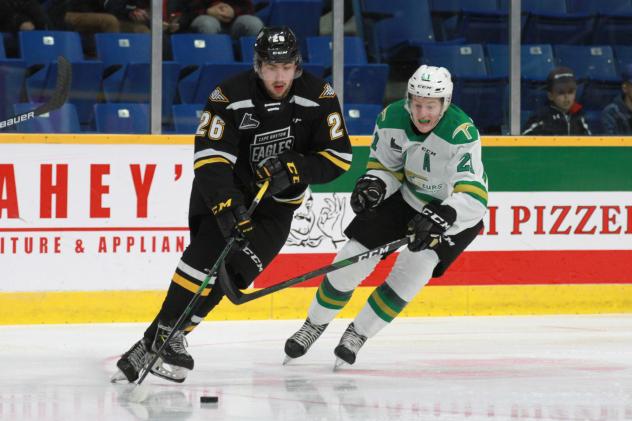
x: 241, y: 125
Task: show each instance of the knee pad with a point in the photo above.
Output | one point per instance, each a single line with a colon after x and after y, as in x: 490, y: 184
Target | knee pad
x: 411, y: 272
x: 347, y: 278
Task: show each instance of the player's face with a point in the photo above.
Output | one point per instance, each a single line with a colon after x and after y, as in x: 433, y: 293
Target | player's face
x: 425, y: 112
x: 563, y: 96
x: 277, y: 78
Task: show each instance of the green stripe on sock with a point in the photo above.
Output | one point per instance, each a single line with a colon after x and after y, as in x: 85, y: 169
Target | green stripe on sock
x: 386, y: 303
x: 329, y: 297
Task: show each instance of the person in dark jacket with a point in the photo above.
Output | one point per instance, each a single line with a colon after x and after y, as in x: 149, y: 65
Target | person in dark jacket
x: 563, y: 115
x: 616, y: 118
x: 233, y: 17
x: 20, y: 15
x: 24, y: 15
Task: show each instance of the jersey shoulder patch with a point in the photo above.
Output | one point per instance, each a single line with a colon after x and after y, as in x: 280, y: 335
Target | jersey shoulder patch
x: 456, y: 127
x: 328, y: 92
x: 218, y: 96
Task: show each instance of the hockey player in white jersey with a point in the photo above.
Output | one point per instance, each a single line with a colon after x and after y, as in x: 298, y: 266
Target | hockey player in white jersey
x: 425, y: 180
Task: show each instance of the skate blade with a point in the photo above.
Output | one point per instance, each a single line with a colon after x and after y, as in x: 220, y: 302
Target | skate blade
x: 339, y: 363
x: 169, y: 372
x: 119, y: 377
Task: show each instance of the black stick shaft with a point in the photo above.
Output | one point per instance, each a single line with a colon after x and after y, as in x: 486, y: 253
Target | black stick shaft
x: 187, y: 311
x: 238, y: 297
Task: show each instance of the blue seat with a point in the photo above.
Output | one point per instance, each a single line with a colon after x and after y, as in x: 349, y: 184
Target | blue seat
x: 480, y: 95
x: 303, y: 16
x: 622, y: 55
x: 607, y: 7
x: 202, y: 48
x: 360, y: 118
x: 395, y: 29
x: 192, y: 51
x: 485, y: 100
x: 536, y: 61
x: 122, y: 118
x: 186, y: 117
x: 613, y: 29
x: 484, y: 21
x: 365, y: 84
x: 319, y: 50
x: 533, y: 94
x: 12, y: 74
x: 597, y: 94
x: 40, y: 50
x: 211, y: 75
x: 549, y: 22
x: 588, y: 62
x: 247, y: 48
x: 127, y: 77
x: 62, y: 120
x: 463, y: 61
x: 316, y: 69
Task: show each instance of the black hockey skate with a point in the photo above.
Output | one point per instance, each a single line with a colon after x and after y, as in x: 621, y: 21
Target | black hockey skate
x: 299, y: 343
x: 132, y: 362
x: 174, y: 362
x: 349, y: 345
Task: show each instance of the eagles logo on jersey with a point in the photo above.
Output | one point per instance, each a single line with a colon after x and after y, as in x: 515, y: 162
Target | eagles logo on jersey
x: 268, y: 144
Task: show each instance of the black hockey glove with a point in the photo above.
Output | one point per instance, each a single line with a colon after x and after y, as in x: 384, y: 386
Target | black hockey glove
x: 280, y: 171
x: 235, y: 222
x: 426, y: 229
x: 368, y: 193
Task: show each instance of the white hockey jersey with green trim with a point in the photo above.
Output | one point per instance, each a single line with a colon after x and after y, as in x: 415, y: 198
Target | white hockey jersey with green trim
x: 444, y: 164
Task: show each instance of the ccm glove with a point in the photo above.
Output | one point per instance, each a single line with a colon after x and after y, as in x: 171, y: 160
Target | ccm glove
x: 368, y: 193
x: 280, y: 171
x: 425, y: 230
x: 235, y: 222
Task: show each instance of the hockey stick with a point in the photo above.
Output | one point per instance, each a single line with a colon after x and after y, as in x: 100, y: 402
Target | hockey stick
x: 238, y: 297
x: 194, y: 300
x: 57, y: 99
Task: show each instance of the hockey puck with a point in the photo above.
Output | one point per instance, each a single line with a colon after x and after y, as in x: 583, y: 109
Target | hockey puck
x: 208, y: 399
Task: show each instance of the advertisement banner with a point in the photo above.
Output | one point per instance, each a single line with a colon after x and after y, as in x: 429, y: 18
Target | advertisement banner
x: 114, y: 217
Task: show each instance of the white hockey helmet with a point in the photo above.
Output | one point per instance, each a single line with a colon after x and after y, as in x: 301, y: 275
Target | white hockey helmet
x: 430, y: 82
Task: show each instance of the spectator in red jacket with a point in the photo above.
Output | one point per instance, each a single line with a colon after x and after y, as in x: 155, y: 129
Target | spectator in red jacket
x: 233, y: 17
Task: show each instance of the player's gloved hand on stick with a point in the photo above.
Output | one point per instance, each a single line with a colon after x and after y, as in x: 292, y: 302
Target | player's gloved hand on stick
x: 280, y: 170
x: 368, y: 193
x: 426, y: 228
x: 235, y: 222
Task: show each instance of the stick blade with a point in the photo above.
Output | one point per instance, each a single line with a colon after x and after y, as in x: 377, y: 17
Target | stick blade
x: 62, y: 87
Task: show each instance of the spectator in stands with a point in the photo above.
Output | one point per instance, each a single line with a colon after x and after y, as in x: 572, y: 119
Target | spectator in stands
x: 22, y: 15
x: 87, y: 17
x: 133, y: 15
x: 616, y: 118
x: 84, y: 16
x: 233, y: 17
x: 563, y: 115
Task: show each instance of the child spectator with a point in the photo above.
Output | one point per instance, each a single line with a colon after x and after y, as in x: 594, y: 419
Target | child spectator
x: 616, y: 118
x: 563, y: 115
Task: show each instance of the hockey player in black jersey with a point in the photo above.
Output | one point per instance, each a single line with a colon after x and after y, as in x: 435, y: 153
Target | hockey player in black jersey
x: 273, y: 123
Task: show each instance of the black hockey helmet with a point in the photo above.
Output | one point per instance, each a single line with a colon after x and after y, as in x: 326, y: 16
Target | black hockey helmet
x: 277, y: 44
